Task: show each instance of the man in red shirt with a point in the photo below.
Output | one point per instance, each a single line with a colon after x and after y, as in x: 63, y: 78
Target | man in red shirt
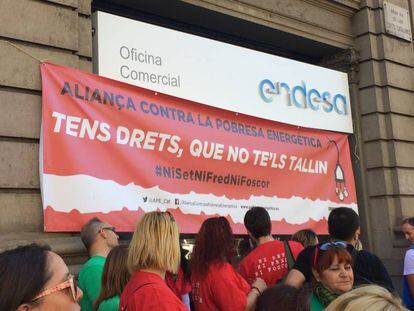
x: 268, y: 260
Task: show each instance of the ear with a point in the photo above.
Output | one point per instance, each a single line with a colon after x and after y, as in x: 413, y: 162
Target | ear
x: 357, y: 234
x: 23, y: 307
x: 102, y: 234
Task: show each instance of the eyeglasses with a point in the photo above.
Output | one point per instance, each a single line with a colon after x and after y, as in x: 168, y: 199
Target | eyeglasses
x: 109, y: 228
x: 69, y: 283
x: 326, y: 246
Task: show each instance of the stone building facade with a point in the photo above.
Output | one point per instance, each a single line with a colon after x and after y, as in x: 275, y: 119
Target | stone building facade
x: 347, y: 35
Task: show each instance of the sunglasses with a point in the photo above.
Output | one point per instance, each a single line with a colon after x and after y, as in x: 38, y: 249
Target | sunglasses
x: 69, y: 283
x: 325, y: 247
x: 171, y: 217
x: 109, y: 228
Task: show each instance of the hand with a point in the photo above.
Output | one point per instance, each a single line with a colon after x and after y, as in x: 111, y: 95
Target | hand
x: 260, y: 284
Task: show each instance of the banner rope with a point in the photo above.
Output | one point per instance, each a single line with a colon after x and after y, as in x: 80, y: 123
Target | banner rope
x: 23, y: 51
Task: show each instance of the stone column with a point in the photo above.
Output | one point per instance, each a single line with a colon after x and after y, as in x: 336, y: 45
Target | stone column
x: 386, y: 116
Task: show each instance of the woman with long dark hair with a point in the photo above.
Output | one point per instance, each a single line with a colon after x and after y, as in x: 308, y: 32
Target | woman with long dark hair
x: 34, y: 278
x: 114, y: 278
x: 216, y: 285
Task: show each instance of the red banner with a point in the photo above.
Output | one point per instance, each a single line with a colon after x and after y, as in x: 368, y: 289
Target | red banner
x: 115, y: 151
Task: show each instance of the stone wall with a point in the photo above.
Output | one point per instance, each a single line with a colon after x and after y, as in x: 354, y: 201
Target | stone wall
x: 381, y: 86
x: 58, y: 31
x: 386, y: 112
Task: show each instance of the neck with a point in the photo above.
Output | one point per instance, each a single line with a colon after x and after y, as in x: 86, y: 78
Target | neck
x: 264, y: 239
x: 161, y: 273
x: 99, y: 250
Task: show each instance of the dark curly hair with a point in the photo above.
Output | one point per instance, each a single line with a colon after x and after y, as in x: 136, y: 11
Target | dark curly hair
x: 214, y: 244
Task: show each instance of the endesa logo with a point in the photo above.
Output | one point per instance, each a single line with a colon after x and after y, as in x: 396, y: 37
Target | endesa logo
x: 299, y: 96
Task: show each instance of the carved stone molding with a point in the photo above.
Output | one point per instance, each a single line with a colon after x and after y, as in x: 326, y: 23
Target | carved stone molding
x: 346, y: 61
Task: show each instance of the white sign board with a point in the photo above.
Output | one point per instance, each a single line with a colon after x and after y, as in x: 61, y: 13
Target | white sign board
x: 221, y: 75
x: 397, y: 21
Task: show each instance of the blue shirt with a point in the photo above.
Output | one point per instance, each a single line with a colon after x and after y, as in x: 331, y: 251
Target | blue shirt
x: 408, y: 270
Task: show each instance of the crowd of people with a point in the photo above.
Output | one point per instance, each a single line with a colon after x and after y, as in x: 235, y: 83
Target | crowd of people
x: 153, y: 273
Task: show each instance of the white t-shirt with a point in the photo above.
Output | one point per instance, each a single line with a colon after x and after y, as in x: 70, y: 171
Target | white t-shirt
x: 409, y: 262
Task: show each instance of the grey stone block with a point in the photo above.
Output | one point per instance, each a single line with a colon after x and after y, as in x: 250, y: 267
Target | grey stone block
x: 85, y: 65
x: 402, y: 127
x: 22, y: 71
x: 85, y: 36
x: 21, y: 114
x: 379, y: 154
x: 19, y: 165
x: 375, y: 126
x: 84, y: 7
x: 39, y: 22
x: 20, y: 212
x: 382, y: 181
x: 406, y: 181
x: 371, y: 100
x: 404, y: 153
x: 70, y: 3
x: 400, y: 101
x: 399, y: 76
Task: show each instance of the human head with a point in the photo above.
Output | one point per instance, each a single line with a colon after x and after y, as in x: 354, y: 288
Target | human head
x: 155, y: 243
x: 306, y: 237
x: 115, y: 274
x: 333, y: 268
x: 291, y: 298
x: 257, y: 222
x: 367, y: 298
x: 26, y: 272
x: 408, y: 229
x: 100, y: 235
x: 343, y: 224
x: 214, y: 243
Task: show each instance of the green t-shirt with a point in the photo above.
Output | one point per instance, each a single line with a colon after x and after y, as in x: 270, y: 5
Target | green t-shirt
x: 316, y: 304
x: 89, y: 281
x: 111, y: 304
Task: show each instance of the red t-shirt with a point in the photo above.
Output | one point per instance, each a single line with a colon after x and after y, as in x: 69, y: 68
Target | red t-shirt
x: 178, y: 284
x: 222, y: 289
x: 268, y: 262
x: 148, y: 291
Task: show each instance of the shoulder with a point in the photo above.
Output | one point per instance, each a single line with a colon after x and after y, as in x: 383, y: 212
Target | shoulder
x: 367, y: 259
x: 308, y: 251
x: 94, y: 262
x: 409, y: 261
x: 296, y: 247
x: 368, y: 256
x: 224, y: 267
x: 91, y: 268
x: 409, y: 254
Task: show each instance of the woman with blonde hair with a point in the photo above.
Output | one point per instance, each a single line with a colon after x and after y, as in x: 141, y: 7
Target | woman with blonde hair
x: 367, y: 298
x: 154, y: 250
